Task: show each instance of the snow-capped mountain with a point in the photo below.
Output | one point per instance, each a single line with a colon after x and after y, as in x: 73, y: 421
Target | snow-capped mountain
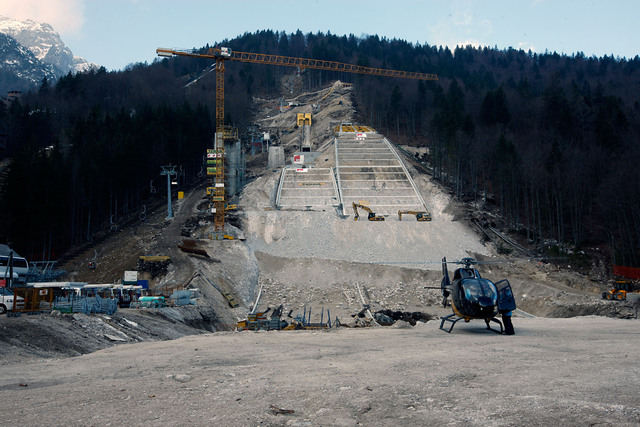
x: 19, y: 68
x: 44, y: 46
x: 45, y: 43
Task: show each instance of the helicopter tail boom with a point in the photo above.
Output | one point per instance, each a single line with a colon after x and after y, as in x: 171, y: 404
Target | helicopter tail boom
x: 445, y: 284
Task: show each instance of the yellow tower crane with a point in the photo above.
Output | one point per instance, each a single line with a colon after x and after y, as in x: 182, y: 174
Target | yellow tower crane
x: 220, y: 55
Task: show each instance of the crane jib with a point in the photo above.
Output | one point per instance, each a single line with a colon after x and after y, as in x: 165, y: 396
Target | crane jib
x: 288, y: 61
x: 318, y: 64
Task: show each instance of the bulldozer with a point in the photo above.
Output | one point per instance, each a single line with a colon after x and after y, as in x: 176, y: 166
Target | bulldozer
x: 371, y: 217
x: 420, y: 216
x: 620, y: 290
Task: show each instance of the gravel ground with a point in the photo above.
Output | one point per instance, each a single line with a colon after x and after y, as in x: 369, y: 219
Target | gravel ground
x: 570, y: 372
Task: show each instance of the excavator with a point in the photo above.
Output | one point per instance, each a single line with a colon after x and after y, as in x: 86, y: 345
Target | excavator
x: 420, y: 216
x: 371, y: 217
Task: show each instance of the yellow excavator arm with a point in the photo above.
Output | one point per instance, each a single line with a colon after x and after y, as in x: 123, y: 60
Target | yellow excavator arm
x: 371, y: 217
x: 420, y: 216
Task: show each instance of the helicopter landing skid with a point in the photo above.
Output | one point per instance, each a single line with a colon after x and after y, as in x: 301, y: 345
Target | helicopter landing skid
x: 457, y: 319
x: 448, y: 319
x: 493, y: 319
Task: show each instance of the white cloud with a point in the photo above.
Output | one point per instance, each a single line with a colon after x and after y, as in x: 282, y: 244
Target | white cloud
x: 473, y: 43
x: 461, y: 27
x: 526, y: 46
x: 65, y: 16
x: 462, y: 15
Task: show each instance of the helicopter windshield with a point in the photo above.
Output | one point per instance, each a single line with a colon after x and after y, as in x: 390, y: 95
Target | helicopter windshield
x: 480, y: 291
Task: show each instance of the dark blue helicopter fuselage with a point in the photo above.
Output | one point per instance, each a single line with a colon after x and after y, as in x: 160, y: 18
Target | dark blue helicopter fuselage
x: 473, y: 297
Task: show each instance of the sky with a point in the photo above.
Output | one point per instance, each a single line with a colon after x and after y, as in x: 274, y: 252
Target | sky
x: 117, y: 33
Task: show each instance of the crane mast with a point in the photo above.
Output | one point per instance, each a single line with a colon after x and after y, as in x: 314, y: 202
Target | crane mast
x: 223, y: 54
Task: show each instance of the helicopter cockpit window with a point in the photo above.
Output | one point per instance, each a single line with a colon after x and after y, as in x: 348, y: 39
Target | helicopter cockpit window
x: 474, y: 289
x: 464, y: 273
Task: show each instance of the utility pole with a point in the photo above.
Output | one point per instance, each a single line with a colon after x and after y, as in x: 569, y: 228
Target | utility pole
x: 168, y: 171
x: 10, y: 282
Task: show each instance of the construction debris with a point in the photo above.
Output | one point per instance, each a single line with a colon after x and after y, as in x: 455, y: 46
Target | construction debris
x: 304, y: 321
x: 155, y: 265
x: 277, y: 411
x: 389, y: 317
x: 189, y: 246
x: 259, y: 321
x: 386, y: 317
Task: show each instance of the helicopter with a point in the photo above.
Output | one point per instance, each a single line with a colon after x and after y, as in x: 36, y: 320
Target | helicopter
x: 473, y: 297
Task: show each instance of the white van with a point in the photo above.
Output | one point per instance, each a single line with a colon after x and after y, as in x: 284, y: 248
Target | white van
x: 6, y: 301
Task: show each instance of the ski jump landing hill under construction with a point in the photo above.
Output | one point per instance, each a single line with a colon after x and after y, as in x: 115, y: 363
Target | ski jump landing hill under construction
x: 367, y: 171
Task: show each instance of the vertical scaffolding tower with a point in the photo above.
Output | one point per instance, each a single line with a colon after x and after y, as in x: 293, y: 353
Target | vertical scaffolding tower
x: 216, y: 171
x: 216, y: 189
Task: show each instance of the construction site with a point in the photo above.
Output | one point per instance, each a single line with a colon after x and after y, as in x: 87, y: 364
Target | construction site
x: 309, y: 255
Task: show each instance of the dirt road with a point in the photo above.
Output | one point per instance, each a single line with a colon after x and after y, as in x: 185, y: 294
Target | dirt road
x: 579, y: 371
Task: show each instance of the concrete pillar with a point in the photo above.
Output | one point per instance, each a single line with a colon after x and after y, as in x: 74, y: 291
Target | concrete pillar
x: 276, y: 157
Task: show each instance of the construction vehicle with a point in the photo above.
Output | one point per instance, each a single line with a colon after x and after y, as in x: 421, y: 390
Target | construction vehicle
x: 258, y: 321
x: 371, y: 217
x: 420, y: 216
x: 150, y: 262
x: 620, y: 290
x: 304, y: 123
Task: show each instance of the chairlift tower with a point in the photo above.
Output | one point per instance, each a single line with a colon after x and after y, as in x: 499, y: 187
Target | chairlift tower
x: 169, y: 171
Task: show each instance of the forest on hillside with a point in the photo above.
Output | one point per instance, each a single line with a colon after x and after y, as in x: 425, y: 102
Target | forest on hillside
x: 548, y: 139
